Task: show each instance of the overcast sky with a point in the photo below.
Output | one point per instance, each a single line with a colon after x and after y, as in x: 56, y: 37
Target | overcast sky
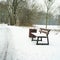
x: 56, y: 1
x: 41, y: 1
x: 2, y: 0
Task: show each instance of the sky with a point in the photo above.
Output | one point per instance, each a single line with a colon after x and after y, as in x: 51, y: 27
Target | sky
x: 41, y: 1
x: 56, y: 4
x: 2, y: 0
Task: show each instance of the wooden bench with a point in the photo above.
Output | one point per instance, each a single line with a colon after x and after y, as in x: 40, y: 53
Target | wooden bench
x: 45, y: 31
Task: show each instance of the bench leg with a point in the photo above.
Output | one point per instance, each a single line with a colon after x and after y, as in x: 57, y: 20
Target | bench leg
x: 37, y: 40
x: 47, y: 41
x: 41, y: 39
x: 32, y: 38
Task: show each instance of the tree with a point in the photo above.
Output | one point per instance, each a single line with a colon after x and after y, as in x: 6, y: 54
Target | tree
x: 15, y: 8
x: 58, y: 15
x: 48, y: 4
x: 19, y: 11
x: 3, y: 12
x: 12, y: 8
x: 29, y: 14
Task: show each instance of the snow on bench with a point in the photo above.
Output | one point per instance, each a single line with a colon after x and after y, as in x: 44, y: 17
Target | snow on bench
x: 43, y: 33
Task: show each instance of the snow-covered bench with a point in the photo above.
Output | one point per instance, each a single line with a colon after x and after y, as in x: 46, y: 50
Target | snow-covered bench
x: 43, y: 33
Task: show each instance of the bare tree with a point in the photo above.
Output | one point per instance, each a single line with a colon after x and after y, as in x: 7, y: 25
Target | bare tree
x: 30, y: 14
x: 58, y: 15
x: 48, y: 4
x: 14, y: 6
x: 3, y: 12
x: 19, y: 11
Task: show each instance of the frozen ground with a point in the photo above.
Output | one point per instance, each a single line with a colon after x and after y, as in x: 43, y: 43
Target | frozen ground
x: 19, y: 46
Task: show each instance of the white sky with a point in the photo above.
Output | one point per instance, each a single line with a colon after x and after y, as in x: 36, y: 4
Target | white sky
x: 56, y: 4
x: 41, y: 1
x: 2, y: 0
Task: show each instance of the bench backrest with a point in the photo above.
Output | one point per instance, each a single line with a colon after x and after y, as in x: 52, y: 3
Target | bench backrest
x: 32, y: 31
x: 43, y: 30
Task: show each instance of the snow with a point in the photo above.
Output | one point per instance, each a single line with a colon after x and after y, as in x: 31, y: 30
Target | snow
x: 15, y: 40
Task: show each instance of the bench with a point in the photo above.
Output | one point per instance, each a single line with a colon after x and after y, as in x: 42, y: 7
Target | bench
x: 46, y: 32
x: 43, y: 33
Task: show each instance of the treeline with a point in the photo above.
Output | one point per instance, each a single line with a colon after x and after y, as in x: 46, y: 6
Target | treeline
x: 20, y: 12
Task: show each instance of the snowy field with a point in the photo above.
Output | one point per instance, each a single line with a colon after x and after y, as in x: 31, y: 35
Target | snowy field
x: 15, y: 44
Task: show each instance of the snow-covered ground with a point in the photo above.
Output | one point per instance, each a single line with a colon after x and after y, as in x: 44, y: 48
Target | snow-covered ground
x: 15, y: 40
